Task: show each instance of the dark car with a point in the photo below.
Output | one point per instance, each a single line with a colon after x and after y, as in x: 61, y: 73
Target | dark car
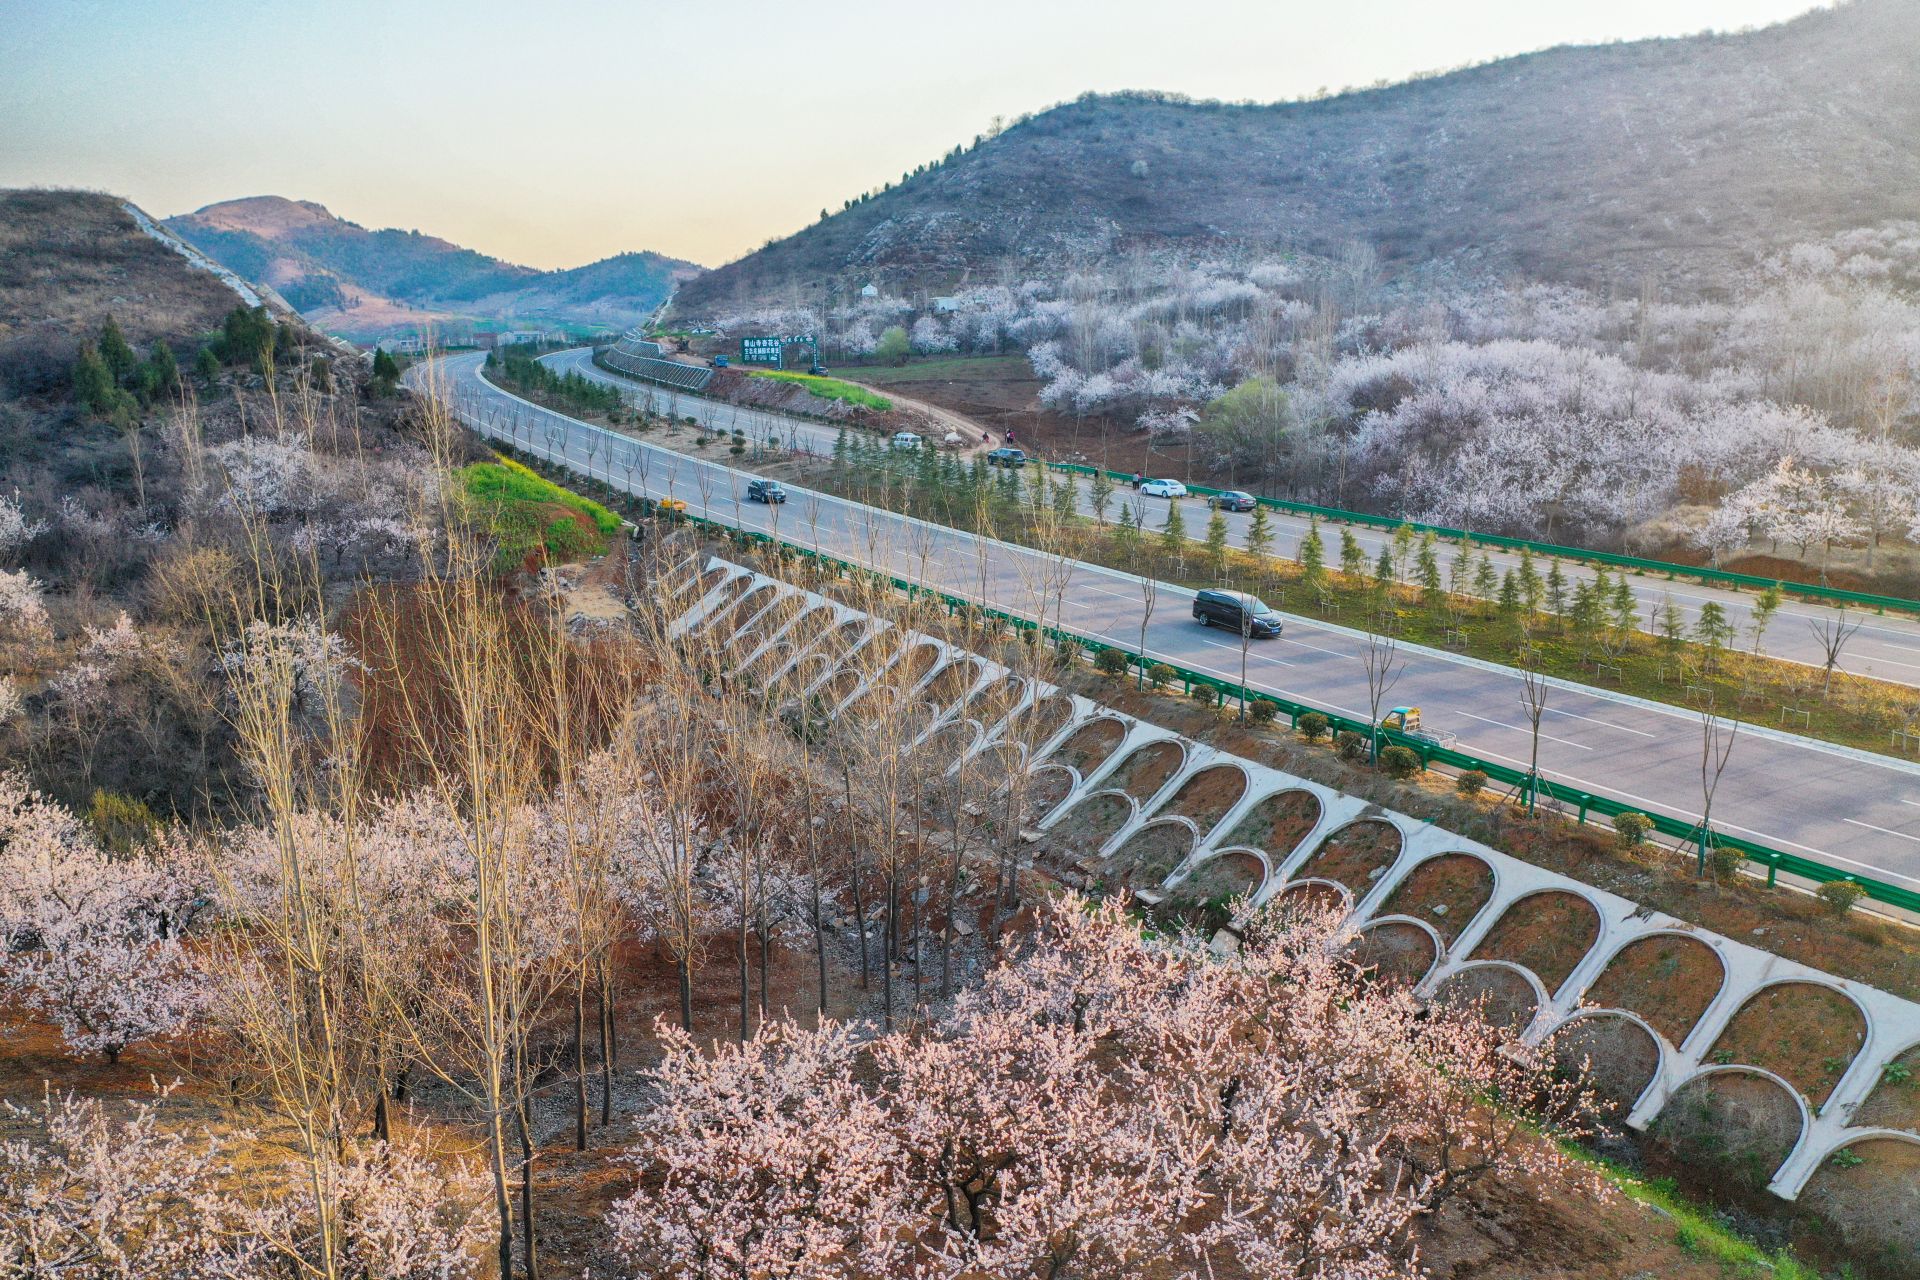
x: 1232, y: 500
x: 765, y: 491
x: 1229, y: 609
x: 1007, y: 458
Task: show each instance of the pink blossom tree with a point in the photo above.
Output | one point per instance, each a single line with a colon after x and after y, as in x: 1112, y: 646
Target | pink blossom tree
x: 1101, y: 1104
x: 92, y: 943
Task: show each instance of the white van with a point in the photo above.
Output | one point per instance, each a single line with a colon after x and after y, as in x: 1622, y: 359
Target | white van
x: 906, y: 440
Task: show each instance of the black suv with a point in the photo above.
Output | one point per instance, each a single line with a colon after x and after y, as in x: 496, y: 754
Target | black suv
x: 1232, y: 500
x: 765, y: 491
x: 1228, y: 608
x: 1007, y: 458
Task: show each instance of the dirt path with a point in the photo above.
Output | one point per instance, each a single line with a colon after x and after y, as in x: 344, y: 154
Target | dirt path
x: 974, y: 437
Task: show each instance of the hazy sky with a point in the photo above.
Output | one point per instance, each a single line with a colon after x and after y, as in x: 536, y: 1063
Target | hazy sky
x: 554, y: 134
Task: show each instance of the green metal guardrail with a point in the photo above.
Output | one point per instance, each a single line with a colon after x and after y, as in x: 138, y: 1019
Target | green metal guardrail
x: 1583, y: 802
x: 1811, y: 590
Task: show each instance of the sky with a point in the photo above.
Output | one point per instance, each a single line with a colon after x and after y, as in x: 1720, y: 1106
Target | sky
x: 557, y: 134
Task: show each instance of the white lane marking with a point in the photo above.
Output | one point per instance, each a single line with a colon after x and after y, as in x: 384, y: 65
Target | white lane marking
x: 1883, y: 830
x: 1914, y: 803
x: 1317, y: 649
x: 1251, y: 657
x: 1520, y: 728
x: 1767, y: 837
x: 1518, y: 764
x: 1602, y: 723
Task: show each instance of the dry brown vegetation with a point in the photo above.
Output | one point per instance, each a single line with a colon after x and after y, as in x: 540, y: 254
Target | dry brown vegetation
x: 70, y: 259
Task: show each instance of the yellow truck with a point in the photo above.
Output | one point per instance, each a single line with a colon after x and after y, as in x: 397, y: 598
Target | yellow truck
x: 1406, y: 720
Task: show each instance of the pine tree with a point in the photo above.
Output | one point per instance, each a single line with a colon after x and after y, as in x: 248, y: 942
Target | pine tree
x: 1486, y: 583
x: 1556, y: 590
x: 1713, y: 630
x: 1260, y: 534
x: 1528, y: 581
x: 1353, y: 560
x: 385, y: 368
x: 1460, y: 574
x: 1765, y: 605
x: 1063, y: 499
x: 1126, y: 532
x: 114, y: 351
x: 1584, y: 613
x: 1378, y: 589
x: 1625, y: 609
x: 1313, y: 557
x: 93, y: 383
x: 166, y: 370
x: 842, y: 453
x: 1427, y: 569
x: 206, y: 366
x: 247, y: 337
x: 1217, y: 543
x: 1173, y: 534
x: 1672, y: 624
x: 1100, y: 494
x: 1403, y: 541
x: 1509, y: 601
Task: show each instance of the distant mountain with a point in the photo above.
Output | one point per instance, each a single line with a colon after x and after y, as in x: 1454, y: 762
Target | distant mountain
x: 365, y: 283
x: 1671, y: 158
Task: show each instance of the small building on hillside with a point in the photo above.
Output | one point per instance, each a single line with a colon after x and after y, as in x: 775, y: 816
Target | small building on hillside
x: 869, y: 290
x: 946, y: 304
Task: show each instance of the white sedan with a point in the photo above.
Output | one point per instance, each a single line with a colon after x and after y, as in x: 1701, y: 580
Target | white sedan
x: 1164, y: 489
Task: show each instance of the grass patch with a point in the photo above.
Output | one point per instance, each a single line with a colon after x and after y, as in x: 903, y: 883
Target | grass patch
x: 531, y: 516
x: 829, y: 388
x: 1696, y: 1231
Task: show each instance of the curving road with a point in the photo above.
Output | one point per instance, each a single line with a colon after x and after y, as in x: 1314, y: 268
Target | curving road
x: 1852, y: 809
x: 1885, y: 647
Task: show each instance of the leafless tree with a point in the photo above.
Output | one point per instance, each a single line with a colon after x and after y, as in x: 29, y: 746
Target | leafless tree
x: 1716, y: 747
x: 1533, y: 705
x: 1149, y: 594
x: 1383, y: 668
x: 1831, y: 634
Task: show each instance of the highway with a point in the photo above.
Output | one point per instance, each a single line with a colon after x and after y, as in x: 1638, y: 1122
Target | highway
x: 1852, y: 809
x: 1886, y: 647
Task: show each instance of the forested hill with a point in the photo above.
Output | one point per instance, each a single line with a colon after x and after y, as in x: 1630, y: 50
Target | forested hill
x: 1673, y: 158
x: 365, y: 282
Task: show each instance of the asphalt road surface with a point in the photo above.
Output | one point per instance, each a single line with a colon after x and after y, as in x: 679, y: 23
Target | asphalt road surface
x: 1885, y: 646
x: 1854, y: 810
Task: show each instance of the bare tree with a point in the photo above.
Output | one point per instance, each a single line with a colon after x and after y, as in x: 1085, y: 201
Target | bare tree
x: 1716, y: 747
x: 1246, y: 642
x: 1149, y: 594
x: 1831, y: 634
x: 1380, y: 658
x: 1533, y: 705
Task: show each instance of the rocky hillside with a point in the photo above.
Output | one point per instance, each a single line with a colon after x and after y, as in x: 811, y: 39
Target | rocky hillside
x: 365, y: 283
x: 1674, y: 158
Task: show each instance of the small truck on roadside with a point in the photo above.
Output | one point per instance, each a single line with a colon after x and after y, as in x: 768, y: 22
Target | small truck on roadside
x: 1406, y: 720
